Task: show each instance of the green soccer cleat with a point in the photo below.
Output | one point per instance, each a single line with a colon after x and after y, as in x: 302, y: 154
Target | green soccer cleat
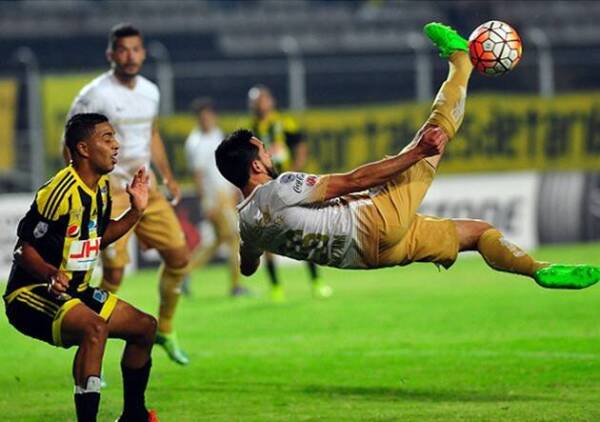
x: 170, y: 343
x: 277, y: 294
x: 321, y: 290
x: 446, y: 39
x: 567, y: 276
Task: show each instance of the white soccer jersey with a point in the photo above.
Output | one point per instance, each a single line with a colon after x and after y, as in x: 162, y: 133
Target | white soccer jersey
x: 200, y: 153
x: 130, y: 111
x: 287, y: 216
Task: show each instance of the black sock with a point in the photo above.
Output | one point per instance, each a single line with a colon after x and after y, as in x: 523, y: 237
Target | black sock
x: 272, y: 272
x: 87, y: 405
x: 87, y: 400
x: 134, y: 388
x: 312, y: 269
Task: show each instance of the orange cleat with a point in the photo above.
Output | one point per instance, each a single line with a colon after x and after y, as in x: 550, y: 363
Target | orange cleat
x: 152, y: 416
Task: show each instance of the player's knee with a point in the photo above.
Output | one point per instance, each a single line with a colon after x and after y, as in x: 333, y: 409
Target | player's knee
x: 148, y: 326
x: 483, y: 226
x: 178, y: 260
x: 95, y: 331
x: 113, y: 275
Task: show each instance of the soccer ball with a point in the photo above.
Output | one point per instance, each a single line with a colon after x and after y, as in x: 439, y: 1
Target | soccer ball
x: 495, y: 48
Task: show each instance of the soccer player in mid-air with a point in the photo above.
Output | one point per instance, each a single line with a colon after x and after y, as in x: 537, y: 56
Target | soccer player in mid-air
x: 59, y: 239
x: 131, y: 101
x: 367, y: 218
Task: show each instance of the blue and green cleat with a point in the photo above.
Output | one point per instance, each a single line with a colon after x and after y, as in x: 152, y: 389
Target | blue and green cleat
x: 446, y: 39
x: 567, y: 276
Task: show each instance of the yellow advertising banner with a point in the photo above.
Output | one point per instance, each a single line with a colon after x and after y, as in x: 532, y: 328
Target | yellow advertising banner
x: 58, y: 93
x: 499, y: 133
x: 8, y: 113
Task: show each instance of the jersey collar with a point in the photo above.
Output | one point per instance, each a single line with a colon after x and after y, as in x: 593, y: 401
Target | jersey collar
x: 81, y: 183
x: 249, y: 197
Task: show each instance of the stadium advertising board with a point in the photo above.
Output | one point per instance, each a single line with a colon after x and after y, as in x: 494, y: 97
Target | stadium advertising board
x: 506, y: 200
x: 12, y: 208
x: 499, y: 132
x: 58, y: 92
x: 8, y: 105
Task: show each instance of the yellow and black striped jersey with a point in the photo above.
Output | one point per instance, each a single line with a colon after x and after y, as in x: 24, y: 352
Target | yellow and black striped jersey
x: 282, y: 130
x: 65, y: 225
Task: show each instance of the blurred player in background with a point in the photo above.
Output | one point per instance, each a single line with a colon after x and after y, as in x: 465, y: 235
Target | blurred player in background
x: 217, y: 196
x: 59, y: 240
x: 289, y: 151
x: 131, y: 103
x: 367, y: 218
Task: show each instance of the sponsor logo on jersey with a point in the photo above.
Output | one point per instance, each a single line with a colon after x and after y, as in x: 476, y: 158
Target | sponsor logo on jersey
x: 299, y: 182
x: 40, y: 230
x: 311, y: 180
x: 73, y: 230
x: 75, y: 214
x: 83, y: 254
x: 287, y: 178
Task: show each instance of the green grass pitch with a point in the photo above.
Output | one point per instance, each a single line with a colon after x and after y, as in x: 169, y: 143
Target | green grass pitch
x: 397, y: 344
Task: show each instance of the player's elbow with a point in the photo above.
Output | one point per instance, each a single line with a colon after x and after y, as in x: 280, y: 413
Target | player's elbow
x: 356, y: 181
x: 248, y: 267
x: 248, y: 270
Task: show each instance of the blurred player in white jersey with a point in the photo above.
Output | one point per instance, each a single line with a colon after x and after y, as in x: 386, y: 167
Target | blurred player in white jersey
x: 131, y: 103
x: 217, y: 196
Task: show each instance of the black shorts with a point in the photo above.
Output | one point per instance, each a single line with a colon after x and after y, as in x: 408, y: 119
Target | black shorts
x: 37, y: 313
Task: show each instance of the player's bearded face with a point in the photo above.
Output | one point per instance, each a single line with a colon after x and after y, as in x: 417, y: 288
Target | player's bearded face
x: 128, y: 56
x: 272, y: 172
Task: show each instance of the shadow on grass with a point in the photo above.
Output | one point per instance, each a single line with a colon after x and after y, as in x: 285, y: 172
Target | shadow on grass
x: 379, y: 393
x: 403, y: 394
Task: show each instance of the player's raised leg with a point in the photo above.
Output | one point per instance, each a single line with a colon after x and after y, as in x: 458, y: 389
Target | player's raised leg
x: 138, y: 329
x: 502, y: 255
x: 449, y: 104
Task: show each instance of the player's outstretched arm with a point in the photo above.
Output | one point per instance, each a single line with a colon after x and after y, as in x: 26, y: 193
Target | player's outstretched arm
x: 431, y: 142
x: 138, y: 197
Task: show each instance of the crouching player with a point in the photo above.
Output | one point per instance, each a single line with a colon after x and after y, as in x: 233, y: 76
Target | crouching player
x: 59, y: 239
x: 367, y: 218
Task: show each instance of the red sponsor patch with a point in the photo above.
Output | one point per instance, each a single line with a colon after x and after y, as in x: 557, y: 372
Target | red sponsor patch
x: 73, y: 230
x: 311, y: 180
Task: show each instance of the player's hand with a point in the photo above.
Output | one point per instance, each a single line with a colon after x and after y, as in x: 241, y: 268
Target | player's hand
x: 432, y: 142
x: 138, y: 190
x: 59, y: 283
x: 174, y: 191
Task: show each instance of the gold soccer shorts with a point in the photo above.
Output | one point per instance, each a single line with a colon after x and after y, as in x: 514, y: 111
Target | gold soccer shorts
x: 403, y: 235
x: 159, y: 227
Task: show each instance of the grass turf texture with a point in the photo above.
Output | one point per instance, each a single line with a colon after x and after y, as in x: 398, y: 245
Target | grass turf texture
x: 396, y: 344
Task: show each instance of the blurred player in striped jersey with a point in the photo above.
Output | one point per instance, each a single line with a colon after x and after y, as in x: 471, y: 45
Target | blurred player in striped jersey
x: 131, y: 103
x: 48, y: 296
x: 289, y: 151
x: 367, y: 218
